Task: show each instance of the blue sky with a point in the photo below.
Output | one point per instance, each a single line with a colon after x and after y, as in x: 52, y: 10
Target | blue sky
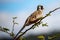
x: 23, y: 8
x: 14, y: 6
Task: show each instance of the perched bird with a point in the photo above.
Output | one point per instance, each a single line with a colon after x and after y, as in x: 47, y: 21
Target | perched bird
x: 33, y: 18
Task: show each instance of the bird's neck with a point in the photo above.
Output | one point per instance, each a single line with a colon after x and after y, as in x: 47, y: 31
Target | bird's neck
x: 40, y: 10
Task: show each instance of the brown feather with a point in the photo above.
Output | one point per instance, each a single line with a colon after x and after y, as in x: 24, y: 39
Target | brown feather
x: 33, y: 18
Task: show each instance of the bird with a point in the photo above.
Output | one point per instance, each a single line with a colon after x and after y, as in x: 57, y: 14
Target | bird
x: 33, y: 18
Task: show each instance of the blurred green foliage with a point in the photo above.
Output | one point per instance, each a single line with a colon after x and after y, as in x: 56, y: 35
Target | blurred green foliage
x: 6, y: 29
x: 43, y: 37
x: 45, y: 24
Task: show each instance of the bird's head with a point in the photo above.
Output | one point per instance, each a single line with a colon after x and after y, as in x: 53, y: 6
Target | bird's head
x: 40, y: 7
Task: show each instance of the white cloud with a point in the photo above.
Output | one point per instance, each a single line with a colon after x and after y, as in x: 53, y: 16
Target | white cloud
x: 53, y: 22
x: 5, y: 19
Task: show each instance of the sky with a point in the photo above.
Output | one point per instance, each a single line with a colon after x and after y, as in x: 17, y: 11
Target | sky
x: 23, y: 8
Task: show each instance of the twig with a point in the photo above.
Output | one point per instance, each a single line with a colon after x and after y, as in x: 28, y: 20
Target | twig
x: 5, y: 31
x: 37, y: 23
x: 12, y: 33
x: 13, y: 27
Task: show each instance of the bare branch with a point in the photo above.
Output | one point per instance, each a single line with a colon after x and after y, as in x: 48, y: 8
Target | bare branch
x: 12, y: 33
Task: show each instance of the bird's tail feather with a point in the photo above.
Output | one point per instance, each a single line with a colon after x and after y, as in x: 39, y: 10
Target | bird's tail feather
x: 19, y: 31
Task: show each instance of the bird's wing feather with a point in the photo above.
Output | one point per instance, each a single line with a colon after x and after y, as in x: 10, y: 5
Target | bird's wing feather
x: 32, y: 18
x: 36, y: 15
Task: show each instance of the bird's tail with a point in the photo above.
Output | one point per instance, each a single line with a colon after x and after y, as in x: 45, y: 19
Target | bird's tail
x: 19, y: 32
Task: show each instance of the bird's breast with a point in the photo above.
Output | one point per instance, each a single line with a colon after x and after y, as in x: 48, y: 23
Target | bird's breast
x: 39, y: 15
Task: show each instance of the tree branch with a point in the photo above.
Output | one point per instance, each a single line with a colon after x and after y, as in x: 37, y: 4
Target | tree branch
x: 38, y: 23
x: 4, y: 30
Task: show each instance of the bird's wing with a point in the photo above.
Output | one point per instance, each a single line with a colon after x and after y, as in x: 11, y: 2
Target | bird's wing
x: 36, y: 15
x: 32, y: 18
